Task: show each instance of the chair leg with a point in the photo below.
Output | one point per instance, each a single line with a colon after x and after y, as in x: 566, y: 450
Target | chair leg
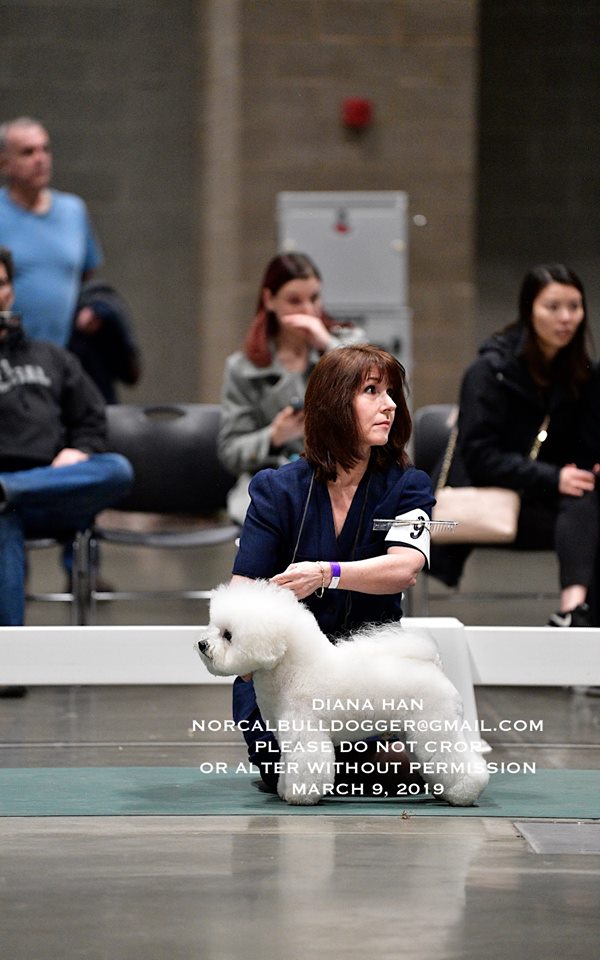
x: 93, y: 552
x: 81, y: 578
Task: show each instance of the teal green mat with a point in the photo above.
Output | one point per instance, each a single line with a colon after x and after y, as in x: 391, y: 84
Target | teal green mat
x: 185, y: 791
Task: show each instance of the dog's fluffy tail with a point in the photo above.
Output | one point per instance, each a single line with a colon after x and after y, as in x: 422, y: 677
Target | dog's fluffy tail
x: 412, y: 643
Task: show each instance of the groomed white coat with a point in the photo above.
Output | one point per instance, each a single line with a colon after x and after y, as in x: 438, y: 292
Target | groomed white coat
x: 314, y: 694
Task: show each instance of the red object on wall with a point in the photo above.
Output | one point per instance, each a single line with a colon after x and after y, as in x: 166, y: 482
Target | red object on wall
x: 357, y: 113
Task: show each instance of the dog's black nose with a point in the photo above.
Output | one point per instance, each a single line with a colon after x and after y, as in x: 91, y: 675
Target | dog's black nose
x: 202, y: 645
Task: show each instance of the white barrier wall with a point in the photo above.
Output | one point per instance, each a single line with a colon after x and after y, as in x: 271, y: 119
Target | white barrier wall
x: 147, y: 654
x: 525, y: 656
x: 514, y: 656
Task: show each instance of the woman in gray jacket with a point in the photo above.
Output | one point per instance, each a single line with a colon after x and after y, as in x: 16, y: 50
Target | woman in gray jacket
x: 264, y: 382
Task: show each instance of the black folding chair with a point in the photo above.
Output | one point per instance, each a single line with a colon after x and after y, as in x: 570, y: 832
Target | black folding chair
x: 179, y: 492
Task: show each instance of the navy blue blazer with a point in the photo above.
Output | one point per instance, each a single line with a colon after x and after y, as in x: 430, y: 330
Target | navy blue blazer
x: 272, y: 534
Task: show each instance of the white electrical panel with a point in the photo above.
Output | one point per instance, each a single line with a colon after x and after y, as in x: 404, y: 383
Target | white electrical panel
x: 359, y: 242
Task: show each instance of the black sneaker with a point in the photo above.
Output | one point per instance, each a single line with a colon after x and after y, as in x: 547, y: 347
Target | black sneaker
x: 579, y: 616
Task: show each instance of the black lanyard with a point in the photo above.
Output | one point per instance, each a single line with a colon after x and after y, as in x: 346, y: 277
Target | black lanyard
x: 348, y: 600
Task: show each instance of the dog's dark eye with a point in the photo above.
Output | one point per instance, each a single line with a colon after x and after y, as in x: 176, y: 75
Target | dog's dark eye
x: 227, y: 636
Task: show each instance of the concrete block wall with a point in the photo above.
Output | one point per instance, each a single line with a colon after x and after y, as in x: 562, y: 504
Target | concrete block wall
x: 116, y: 84
x: 416, y: 61
x: 179, y: 121
x: 538, y: 173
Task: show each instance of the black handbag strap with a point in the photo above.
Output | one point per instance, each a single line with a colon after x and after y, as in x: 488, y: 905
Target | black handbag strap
x: 448, y: 455
x: 540, y: 436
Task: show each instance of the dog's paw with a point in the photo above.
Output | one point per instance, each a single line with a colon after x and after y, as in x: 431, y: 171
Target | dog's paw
x: 466, y: 791
x: 302, y: 793
x: 300, y: 799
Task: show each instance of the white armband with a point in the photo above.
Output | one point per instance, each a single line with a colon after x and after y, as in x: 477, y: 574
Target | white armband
x: 411, y: 531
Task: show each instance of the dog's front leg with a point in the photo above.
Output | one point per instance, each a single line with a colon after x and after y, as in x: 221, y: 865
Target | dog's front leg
x: 308, y: 769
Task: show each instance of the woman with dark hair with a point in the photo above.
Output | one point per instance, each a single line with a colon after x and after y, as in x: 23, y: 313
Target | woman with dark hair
x: 310, y: 524
x: 264, y: 383
x: 534, y: 369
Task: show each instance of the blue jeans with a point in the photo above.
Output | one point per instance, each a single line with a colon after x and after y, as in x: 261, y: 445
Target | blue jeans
x: 51, y: 502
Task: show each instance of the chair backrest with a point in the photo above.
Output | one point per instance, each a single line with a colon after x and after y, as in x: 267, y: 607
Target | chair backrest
x: 431, y: 429
x: 173, y: 451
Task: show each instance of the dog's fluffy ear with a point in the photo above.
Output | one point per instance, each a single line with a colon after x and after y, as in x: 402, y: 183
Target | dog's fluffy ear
x: 268, y: 649
x: 256, y: 614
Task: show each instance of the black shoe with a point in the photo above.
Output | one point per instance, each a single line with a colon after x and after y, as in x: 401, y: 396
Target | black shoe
x: 13, y: 692
x: 264, y: 787
x: 579, y: 616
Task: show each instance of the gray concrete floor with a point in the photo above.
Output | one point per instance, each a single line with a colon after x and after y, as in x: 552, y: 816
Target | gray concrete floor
x: 173, y: 888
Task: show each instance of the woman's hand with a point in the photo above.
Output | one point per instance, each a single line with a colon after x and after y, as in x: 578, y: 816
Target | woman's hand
x: 68, y: 456
x: 87, y: 321
x: 314, y: 330
x: 575, y: 482
x: 395, y: 571
x: 304, y: 578
x: 287, y: 425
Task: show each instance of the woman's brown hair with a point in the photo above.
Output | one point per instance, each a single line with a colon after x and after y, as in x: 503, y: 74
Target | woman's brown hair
x: 331, y: 435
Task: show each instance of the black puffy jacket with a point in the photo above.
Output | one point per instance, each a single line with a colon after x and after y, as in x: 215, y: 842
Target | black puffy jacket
x: 501, y: 411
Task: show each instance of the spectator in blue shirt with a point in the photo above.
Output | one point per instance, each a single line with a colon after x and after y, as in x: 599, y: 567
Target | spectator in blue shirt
x: 48, y: 232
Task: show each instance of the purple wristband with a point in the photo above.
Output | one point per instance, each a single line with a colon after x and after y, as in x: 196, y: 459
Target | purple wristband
x: 336, y: 572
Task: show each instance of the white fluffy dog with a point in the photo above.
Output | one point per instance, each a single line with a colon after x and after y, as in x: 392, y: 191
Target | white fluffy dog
x: 315, y: 695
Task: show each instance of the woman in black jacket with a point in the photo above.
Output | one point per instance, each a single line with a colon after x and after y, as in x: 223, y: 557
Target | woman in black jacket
x: 536, y: 367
